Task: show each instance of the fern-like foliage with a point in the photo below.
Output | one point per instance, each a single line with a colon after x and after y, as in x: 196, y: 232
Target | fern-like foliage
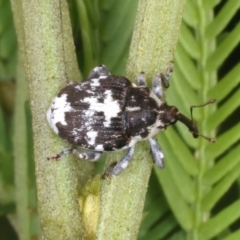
x: 105, y: 29
x: 201, y: 180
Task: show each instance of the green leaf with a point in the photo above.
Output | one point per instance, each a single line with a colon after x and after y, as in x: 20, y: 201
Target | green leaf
x: 225, y: 48
x: 115, y: 32
x: 7, y: 209
x: 174, y: 142
x: 225, y: 165
x: 226, y: 85
x: 173, y: 193
x: 217, y: 192
x: 162, y: 229
x: 87, y: 36
x: 178, y: 205
x: 224, y: 111
x: 187, y: 67
x: 121, y: 21
x: 93, y: 13
x: 180, y: 235
x: 7, y: 172
x: 217, y: 224
x: 184, y: 90
x: 222, y: 19
x: 208, y: 4
x: 190, y: 14
x: 3, y: 140
x: 107, y: 4
x: 233, y: 236
x: 155, y: 206
x: 224, y: 142
x: 188, y: 42
x: 181, y: 178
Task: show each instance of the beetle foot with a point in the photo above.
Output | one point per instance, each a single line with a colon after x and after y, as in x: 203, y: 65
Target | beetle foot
x: 116, y: 168
x: 162, y: 80
x: 157, y: 154
x: 56, y: 157
x: 108, y: 171
x: 141, y: 79
x: 59, y: 155
x: 98, y: 71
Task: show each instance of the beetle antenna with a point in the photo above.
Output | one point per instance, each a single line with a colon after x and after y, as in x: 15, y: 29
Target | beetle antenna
x: 202, y: 105
x: 211, y: 140
x: 190, y: 123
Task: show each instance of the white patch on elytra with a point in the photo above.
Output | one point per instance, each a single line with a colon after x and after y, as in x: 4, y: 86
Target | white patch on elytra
x: 99, y: 147
x: 91, y: 137
x: 57, y: 110
x: 95, y: 82
x: 75, y: 133
x: 102, y: 77
x: 78, y: 87
x: 90, y: 92
x: 132, y: 109
x: 109, y: 107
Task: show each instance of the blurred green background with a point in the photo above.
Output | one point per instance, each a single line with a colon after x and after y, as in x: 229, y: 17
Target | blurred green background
x: 206, y: 63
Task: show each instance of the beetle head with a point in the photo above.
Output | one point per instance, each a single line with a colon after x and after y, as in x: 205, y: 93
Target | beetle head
x: 172, y: 115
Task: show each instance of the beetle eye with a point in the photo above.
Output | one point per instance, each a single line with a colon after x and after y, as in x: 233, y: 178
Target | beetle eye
x: 173, y: 120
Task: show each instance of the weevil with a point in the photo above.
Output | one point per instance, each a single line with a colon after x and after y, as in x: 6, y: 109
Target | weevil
x: 109, y: 113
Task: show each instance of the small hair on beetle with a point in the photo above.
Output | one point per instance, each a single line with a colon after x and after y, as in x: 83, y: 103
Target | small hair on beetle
x: 190, y: 123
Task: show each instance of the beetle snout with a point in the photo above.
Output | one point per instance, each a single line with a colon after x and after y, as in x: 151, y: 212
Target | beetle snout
x: 172, y: 115
x: 194, y: 130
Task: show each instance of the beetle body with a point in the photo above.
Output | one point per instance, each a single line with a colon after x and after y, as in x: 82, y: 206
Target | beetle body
x: 109, y: 113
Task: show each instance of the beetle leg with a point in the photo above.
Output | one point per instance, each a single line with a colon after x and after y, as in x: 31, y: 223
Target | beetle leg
x: 123, y: 163
x: 59, y: 155
x: 160, y: 81
x: 141, y: 79
x: 98, y: 71
x: 91, y: 156
x: 157, y: 153
x: 157, y: 86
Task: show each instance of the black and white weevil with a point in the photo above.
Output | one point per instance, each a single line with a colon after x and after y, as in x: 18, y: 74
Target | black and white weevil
x: 109, y: 113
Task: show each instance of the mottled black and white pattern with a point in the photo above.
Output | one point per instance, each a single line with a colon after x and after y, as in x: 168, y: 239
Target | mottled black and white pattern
x: 89, y: 114
x: 105, y: 114
x: 108, y: 113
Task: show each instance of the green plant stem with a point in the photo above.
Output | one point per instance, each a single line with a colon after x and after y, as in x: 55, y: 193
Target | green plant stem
x: 153, y: 45
x: 208, y: 80
x: 155, y: 37
x: 27, y: 225
x: 47, y: 52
